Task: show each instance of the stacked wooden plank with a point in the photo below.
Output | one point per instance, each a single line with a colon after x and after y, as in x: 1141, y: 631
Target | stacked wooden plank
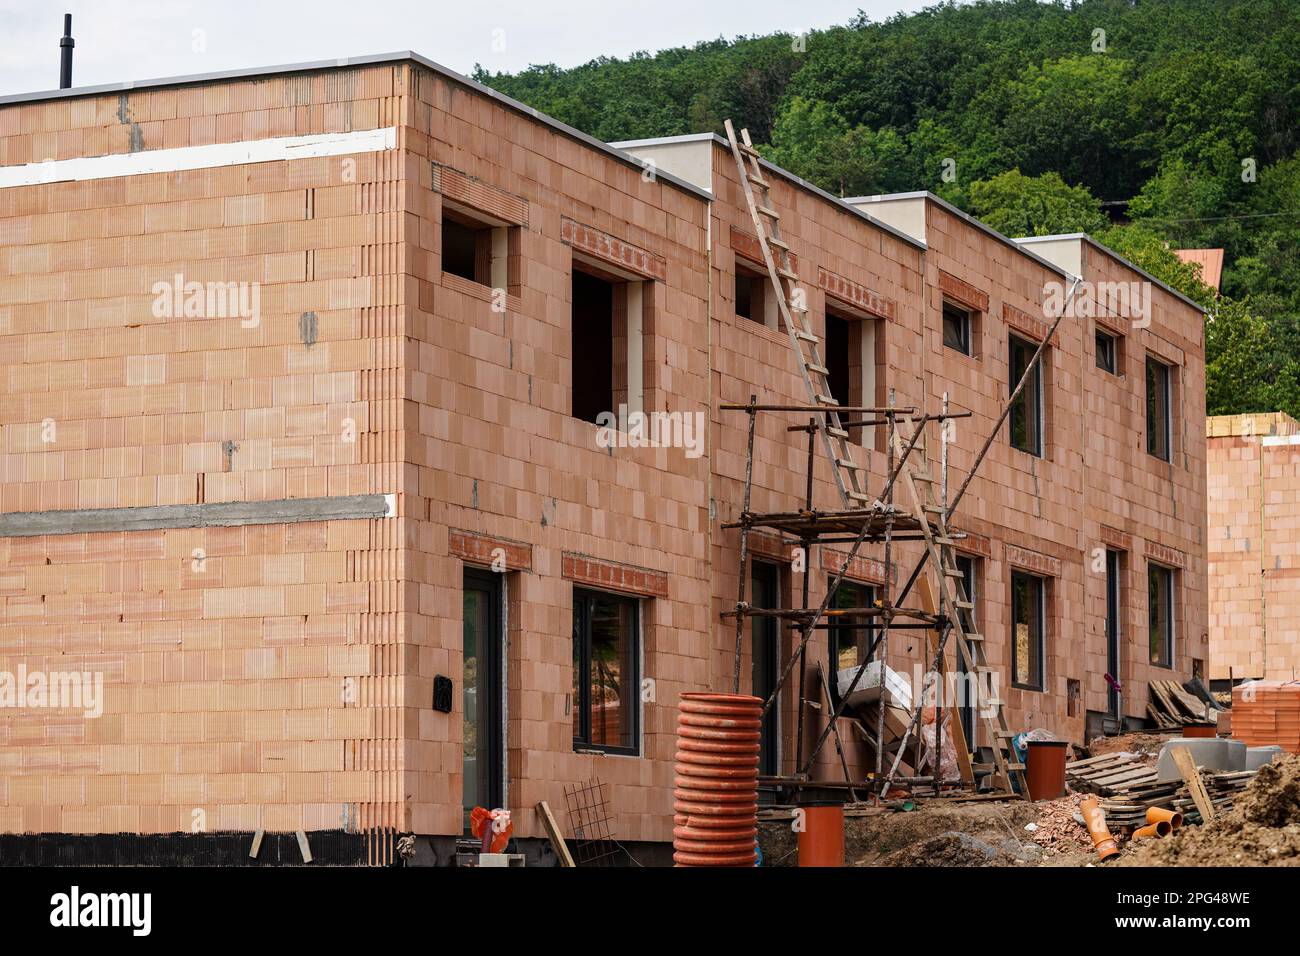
x: 1128, y: 785
x: 1101, y: 775
x: 1170, y: 706
x: 1222, y: 788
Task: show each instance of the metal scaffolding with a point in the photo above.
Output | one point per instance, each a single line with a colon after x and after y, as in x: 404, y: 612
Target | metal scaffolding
x: 866, y: 520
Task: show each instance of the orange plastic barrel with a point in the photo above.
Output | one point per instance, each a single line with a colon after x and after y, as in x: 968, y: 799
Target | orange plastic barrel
x: 1200, y: 730
x: 821, y: 842
x: 715, y: 791
x: 1045, y: 769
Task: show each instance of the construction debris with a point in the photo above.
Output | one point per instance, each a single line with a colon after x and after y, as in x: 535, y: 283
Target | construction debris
x: 554, y: 835
x: 1172, y: 706
x: 1060, y: 828
x: 1216, y: 754
x: 1263, y: 829
x: 952, y: 849
x: 1110, y: 774
x: 1129, y: 784
x: 1141, y: 743
x: 1191, y: 775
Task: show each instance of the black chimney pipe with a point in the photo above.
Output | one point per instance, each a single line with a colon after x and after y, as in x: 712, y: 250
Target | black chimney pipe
x: 65, y: 53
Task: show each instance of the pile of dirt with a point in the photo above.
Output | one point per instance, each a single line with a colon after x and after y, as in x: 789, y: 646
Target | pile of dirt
x: 901, y: 838
x: 1262, y: 829
x: 1147, y: 745
x: 1273, y: 797
x: 951, y: 849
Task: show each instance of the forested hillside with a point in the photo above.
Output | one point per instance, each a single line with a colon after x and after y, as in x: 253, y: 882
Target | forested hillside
x: 1182, y: 117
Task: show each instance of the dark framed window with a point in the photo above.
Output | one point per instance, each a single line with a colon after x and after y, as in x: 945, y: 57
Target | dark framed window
x: 482, y: 728
x: 751, y: 294
x: 1028, y: 626
x: 957, y: 328
x: 1114, y: 617
x: 1160, y: 614
x: 1107, y: 352
x: 851, y: 636
x: 966, y: 565
x: 1159, y: 420
x: 838, y: 359
x: 593, y: 346
x: 765, y: 638
x: 969, y: 686
x: 1026, y: 419
x: 606, y: 672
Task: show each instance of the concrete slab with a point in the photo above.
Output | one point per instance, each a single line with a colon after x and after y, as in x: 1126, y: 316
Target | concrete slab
x: 1209, y: 752
x: 28, y: 524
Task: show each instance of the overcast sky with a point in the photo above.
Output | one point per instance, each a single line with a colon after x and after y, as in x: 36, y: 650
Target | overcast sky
x: 119, y: 40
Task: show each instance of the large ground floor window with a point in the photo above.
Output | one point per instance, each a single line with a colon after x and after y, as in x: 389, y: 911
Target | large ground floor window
x: 1027, y: 630
x: 606, y: 662
x: 1160, y: 613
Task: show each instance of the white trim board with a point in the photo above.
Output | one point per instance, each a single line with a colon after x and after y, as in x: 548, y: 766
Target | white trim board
x: 199, y: 157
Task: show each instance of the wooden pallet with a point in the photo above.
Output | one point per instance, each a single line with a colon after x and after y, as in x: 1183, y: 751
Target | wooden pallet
x: 1106, y: 774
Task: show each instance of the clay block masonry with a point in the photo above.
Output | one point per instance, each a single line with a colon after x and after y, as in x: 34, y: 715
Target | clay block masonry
x: 324, y: 382
x: 1254, y: 506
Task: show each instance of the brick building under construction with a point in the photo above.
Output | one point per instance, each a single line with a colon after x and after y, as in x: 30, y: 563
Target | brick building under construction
x: 1254, y: 511
x: 306, y: 450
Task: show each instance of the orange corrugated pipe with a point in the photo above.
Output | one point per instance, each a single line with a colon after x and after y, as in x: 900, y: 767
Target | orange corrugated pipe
x: 1095, y: 820
x: 715, y: 790
x: 1161, y: 815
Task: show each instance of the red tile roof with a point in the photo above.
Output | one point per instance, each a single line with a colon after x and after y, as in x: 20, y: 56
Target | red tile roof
x: 1210, y: 261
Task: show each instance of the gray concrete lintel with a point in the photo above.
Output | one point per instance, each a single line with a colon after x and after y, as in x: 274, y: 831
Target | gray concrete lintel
x: 223, y: 514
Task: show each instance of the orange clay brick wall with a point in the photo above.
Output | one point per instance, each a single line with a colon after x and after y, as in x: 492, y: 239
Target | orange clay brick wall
x: 1147, y: 509
x: 493, y: 450
x: 831, y: 244
x: 1254, y: 483
x: 225, y: 651
x: 1094, y: 487
x: 1021, y: 512
x: 220, y: 682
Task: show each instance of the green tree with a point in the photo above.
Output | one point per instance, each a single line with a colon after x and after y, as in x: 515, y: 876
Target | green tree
x: 1073, y: 116
x: 812, y: 141
x: 1266, y: 263
x: 1186, y: 204
x: 1149, y: 250
x: 1018, y: 205
x: 1245, y: 370
x: 1200, y: 107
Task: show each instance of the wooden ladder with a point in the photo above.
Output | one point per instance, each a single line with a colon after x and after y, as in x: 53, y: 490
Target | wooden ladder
x: 957, y: 608
x: 850, y: 477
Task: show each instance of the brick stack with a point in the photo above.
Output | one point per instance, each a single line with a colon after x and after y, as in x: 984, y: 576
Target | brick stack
x: 1267, y: 712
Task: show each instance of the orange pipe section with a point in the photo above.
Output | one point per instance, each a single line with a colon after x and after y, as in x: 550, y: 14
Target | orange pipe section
x: 1095, y: 820
x: 1161, y: 829
x: 1161, y: 815
x: 821, y: 842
